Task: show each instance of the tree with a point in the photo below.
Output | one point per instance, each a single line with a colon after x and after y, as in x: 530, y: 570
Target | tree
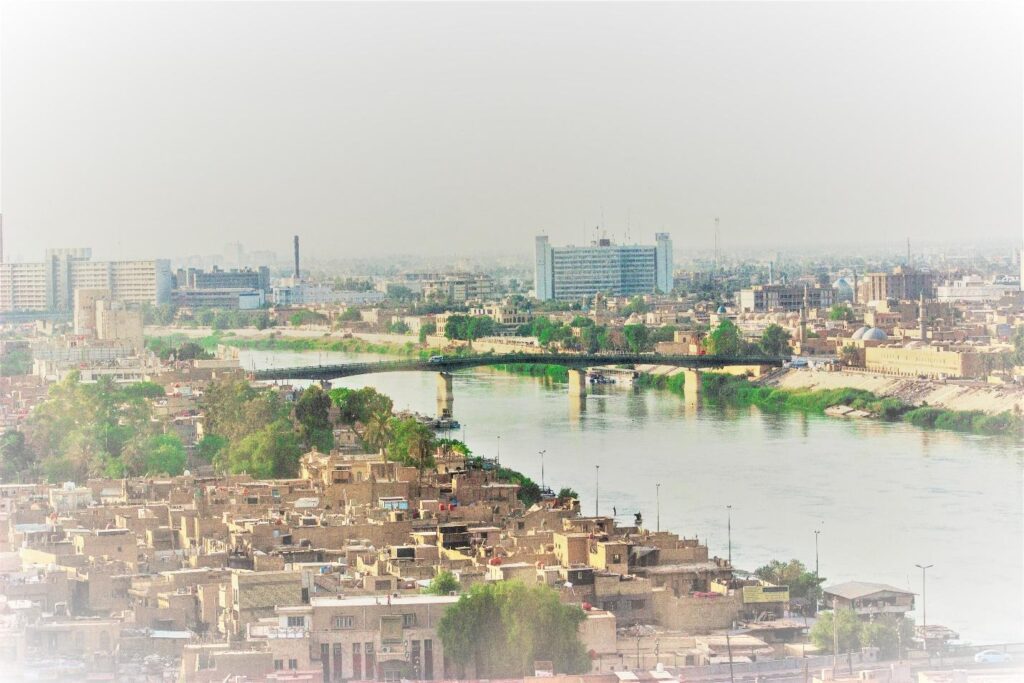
x: 636, y: 337
x: 210, y: 445
x: 444, y: 583
x: 842, y: 312
x: 502, y: 628
x: 164, y: 454
x: 566, y: 494
x: 802, y: 583
x: 312, y: 412
x: 426, y: 330
x: 350, y: 314
x: 378, y: 431
x: 15, y: 360
x: 357, y: 405
x: 724, y: 340
x: 775, y: 341
x: 412, y: 443
x: 848, y: 626
x: 398, y: 327
x: 889, y: 633
x: 636, y: 305
x: 271, y: 452
x: 16, y: 457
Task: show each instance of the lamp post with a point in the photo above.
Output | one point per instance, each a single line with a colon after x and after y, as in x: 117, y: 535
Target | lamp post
x: 924, y: 602
x: 657, y: 504
x: 728, y: 526
x: 542, y: 469
x: 597, y: 489
x: 817, y: 576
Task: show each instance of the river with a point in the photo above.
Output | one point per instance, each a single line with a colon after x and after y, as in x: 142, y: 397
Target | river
x: 884, y: 496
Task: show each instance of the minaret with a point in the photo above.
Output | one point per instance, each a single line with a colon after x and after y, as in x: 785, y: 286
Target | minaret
x: 803, y: 317
x: 921, y: 319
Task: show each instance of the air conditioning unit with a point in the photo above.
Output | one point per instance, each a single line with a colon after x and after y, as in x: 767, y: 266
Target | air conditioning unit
x: 385, y: 650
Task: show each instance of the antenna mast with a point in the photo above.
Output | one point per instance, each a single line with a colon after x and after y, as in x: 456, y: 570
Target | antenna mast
x: 716, y: 243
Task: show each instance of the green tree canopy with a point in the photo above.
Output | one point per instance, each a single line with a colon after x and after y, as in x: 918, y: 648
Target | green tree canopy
x: 427, y: 330
x: 272, y: 451
x: 775, y: 341
x: 358, y: 405
x: 312, y: 412
x: 444, y: 583
x: 502, y: 628
x: 17, y: 460
x: 802, y: 583
x: 725, y: 340
x: 637, y: 338
x: 164, y: 454
x: 841, y: 312
x: 848, y: 626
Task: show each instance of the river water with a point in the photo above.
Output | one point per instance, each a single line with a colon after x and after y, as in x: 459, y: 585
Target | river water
x: 884, y: 496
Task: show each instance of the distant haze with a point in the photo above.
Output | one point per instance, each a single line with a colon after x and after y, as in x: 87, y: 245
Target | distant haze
x: 148, y: 129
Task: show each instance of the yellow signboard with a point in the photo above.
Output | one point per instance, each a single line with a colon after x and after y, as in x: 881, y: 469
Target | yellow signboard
x: 765, y: 594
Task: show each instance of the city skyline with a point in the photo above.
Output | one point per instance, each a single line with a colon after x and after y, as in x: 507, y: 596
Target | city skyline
x: 905, y: 124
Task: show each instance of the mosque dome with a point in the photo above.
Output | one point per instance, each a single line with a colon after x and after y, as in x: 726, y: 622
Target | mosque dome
x: 875, y: 334
x: 859, y: 334
x: 721, y: 310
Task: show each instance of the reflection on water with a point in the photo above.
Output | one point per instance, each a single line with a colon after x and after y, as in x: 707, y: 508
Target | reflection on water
x: 885, y: 496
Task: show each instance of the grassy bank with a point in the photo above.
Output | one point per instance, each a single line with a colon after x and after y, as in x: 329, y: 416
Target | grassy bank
x: 555, y: 373
x: 737, y: 391
x: 410, y: 349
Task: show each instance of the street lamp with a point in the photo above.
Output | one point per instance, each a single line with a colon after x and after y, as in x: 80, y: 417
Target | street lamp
x: 728, y: 509
x: 924, y: 602
x: 657, y: 499
x: 542, y: 468
x: 597, y: 489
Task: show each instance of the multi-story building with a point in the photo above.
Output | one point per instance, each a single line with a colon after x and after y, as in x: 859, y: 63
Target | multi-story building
x: 921, y: 360
x: 246, y: 278
x: 458, y: 288
x: 49, y: 286
x: 568, y: 273
x: 790, y: 298
x: 973, y: 290
x: 902, y: 283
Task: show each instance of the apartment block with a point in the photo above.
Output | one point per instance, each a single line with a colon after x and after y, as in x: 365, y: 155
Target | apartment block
x: 569, y: 273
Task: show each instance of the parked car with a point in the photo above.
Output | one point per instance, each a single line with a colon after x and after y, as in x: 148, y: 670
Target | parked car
x: 436, y: 359
x: 992, y: 657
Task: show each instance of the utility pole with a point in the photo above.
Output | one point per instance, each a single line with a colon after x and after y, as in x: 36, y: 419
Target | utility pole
x: 728, y: 647
x: 817, y: 576
x: 728, y: 526
x: 542, y: 469
x: 657, y: 503
x: 835, y: 638
x: 924, y: 602
x: 597, y: 489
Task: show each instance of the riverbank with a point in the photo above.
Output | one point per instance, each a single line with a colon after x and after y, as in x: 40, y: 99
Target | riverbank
x: 953, y: 394
x: 728, y: 389
x: 272, y: 341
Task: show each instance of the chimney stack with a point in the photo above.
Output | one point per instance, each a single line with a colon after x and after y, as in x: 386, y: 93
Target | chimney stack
x: 297, y: 257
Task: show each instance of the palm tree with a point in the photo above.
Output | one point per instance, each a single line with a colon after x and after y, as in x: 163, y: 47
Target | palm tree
x: 379, y: 431
x: 421, y: 442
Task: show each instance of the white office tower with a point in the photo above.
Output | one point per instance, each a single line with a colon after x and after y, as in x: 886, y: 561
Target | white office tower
x: 572, y: 273
x: 543, y: 272
x: 663, y: 261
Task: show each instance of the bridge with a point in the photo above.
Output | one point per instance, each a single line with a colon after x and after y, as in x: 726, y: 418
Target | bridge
x: 577, y: 365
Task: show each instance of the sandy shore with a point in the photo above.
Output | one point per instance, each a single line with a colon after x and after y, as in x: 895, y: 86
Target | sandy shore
x: 952, y: 395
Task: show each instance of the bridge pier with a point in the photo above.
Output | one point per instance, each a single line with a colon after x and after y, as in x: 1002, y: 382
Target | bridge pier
x: 445, y: 395
x: 692, y: 390
x: 577, y: 382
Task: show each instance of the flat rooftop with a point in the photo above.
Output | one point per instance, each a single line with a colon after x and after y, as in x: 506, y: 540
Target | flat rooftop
x: 368, y: 600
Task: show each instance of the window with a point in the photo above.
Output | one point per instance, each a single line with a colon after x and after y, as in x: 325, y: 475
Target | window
x: 616, y: 558
x: 300, y: 622
x: 278, y: 664
x: 293, y: 664
x: 408, y: 620
x: 342, y: 622
x: 636, y: 604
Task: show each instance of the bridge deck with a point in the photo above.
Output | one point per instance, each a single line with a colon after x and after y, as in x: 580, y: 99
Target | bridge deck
x: 452, y: 363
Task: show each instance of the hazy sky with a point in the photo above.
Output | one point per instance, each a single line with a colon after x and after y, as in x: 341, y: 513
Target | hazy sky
x: 148, y: 129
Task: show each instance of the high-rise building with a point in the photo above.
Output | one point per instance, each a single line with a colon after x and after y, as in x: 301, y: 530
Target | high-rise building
x: 903, y: 283
x: 49, y: 286
x: 569, y: 273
